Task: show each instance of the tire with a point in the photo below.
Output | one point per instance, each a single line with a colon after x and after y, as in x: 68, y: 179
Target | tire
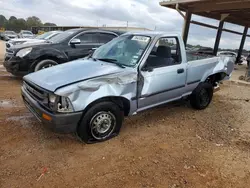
x: 202, y: 96
x: 101, y: 122
x: 44, y: 64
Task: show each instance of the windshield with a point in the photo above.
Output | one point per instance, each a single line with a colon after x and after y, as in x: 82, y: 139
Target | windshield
x: 62, y: 36
x: 10, y: 32
x: 125, y: 50
x: 47, y: 35
x: 27, y: 33
x: 43, y: 36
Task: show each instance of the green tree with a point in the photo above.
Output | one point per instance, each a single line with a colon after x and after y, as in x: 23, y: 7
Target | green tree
x: 21, y: 24
x: 3, y: 21
x: 11, y: 24
x: 12, y: 19
x: 49, y: 24
x: 33, y: 21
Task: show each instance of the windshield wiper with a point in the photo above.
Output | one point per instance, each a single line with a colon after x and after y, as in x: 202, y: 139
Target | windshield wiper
x: 114, y: 61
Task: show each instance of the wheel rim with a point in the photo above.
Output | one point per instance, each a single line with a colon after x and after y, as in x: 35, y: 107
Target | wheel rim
x: 204, y: 97
x: 47, y: 66
x: 102, y: 125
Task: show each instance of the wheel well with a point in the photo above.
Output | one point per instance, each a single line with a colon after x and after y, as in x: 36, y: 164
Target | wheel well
x: 43, y: 58
x: 216, y: 78
x: 122, y: 102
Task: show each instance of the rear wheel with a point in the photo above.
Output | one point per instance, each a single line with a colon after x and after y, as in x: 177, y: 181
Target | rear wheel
x: 101, y: 122
x: 202, y: 96
x: 44, y: 64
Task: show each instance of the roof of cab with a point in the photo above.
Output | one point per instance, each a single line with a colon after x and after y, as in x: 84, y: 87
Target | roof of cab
x: 96, y: 30
x: 152, y: 33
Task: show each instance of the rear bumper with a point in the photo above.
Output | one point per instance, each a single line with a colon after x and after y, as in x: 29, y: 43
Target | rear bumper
x: 63, y: 123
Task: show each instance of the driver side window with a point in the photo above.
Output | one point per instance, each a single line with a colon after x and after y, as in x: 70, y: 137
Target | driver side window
x: 88, y: 38
x: 166, y: 52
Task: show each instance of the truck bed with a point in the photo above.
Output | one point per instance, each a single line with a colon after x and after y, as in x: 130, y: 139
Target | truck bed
x: 191, y: 56
x: 201, y: 68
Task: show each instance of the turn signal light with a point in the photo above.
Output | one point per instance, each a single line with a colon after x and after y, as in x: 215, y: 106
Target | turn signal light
x: 47, y: 117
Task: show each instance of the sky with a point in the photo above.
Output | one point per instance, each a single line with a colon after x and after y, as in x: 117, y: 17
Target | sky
x: 138, y: 13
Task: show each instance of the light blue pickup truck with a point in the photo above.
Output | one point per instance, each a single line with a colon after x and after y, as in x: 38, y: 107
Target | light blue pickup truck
x: 131, y: 73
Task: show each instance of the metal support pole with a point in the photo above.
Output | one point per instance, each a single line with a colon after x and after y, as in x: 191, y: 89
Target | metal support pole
x: 242, y: 44
x: 218, y: 37
x: 186, y: 27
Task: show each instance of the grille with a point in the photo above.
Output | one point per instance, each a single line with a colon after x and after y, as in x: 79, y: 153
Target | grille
x: 35, y: 92
x: 39, y: 94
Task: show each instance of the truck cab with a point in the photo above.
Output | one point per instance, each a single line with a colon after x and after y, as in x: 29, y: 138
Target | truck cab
x: 129, y: 74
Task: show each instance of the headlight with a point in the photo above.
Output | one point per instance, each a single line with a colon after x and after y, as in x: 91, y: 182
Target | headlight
x: 64, y: 105
x: 52, y: 98
x: 23, y: 52
x: 60, y: 104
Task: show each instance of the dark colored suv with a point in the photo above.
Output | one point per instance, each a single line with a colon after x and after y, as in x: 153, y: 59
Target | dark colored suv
x: 70, y: 45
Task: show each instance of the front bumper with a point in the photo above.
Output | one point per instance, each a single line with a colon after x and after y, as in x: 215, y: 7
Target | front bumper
x: 16, y: 65
x: 63, y: 123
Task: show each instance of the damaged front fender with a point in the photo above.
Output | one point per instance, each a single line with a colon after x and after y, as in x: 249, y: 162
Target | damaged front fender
x: 123, y: 84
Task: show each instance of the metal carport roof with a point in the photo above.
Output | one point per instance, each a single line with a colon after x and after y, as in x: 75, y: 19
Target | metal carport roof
x: 232, y: 11
x: 238, y: 10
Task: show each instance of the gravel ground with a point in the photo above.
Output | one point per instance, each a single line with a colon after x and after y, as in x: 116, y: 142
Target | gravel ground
x: 172, y: 146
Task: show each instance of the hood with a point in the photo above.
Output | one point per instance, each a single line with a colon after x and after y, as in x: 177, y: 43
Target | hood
x: 22, y: 41
x: 32, y: 41
x: 72, y: 72
x: 11, y: 35
x: 27, y: 45
x: 19, y: 40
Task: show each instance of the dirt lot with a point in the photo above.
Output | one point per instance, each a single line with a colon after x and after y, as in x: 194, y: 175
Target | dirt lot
x: 167, y: 147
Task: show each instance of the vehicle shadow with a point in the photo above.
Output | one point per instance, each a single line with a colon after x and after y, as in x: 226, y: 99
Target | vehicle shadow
x: 9, y: 77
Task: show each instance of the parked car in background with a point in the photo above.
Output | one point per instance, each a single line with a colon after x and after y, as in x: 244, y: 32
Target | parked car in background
x: 26, y: 34
x: 232, y: 55
x: 69, y: 45
x: 205, y: 51
x: 1, y: 35
x: 131, y: 73
x: 38, y: 39
x: 7, y: 35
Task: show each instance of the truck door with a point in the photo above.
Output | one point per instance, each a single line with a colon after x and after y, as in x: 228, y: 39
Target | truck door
x: 89, y: 41
x: 163, y: 74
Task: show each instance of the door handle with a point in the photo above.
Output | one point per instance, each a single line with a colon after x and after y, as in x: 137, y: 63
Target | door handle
x: 179, y: 71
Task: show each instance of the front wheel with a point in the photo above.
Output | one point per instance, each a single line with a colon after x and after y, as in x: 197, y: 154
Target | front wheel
x: 202, y: 96
x: 101, y: 122
x: 44, y: 64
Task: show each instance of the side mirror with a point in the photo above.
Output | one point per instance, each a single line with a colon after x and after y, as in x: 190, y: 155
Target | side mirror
x: 75, y: 41
x: 147, y: 69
